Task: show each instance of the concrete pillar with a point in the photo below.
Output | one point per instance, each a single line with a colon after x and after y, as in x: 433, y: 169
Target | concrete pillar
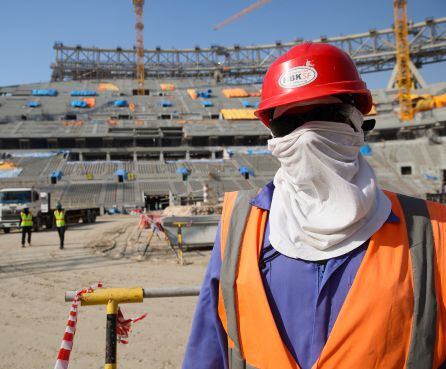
x: 213, y: 155
x: 135, y: 157
x: 205, y: 193
x: 161, y: 156
x: 81, y: 156
x: 187, y: 155
x: 107, y: 156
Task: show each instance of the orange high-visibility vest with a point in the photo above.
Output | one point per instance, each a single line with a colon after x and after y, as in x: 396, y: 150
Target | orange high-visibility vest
x: 393, y: 317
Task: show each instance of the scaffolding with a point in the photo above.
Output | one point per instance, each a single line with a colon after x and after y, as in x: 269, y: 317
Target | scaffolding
x: 372, y: 51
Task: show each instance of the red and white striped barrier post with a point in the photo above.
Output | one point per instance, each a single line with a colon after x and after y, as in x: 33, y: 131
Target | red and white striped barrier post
x: 118, y: 328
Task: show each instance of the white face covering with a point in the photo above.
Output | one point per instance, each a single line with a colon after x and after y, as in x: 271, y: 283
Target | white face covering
x: 326, y: 200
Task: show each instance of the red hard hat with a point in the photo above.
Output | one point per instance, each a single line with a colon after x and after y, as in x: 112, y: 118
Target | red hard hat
x: 310, y: 71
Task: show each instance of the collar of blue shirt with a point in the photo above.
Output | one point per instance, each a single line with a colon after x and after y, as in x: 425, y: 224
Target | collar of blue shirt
x: 263, y: 201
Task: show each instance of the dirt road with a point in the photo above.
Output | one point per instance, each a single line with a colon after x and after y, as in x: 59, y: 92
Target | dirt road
x: 33, y: 313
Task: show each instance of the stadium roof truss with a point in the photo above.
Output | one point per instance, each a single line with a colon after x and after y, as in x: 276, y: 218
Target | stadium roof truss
x: 373, y: 51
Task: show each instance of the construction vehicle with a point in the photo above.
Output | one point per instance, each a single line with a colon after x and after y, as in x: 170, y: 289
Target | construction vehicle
x: 14, y: 200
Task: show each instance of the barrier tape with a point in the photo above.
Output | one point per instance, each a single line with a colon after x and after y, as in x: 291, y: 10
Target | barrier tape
x: 63, y: 358
x: 123, y: 328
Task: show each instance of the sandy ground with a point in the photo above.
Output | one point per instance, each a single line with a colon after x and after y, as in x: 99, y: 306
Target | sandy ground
x: 33, y: 313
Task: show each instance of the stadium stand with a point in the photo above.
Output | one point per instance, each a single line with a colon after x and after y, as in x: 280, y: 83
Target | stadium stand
x: 110, y: 194
x: 208, y: 128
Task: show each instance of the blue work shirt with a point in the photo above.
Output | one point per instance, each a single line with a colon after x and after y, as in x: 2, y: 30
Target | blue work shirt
x: 305, y: 298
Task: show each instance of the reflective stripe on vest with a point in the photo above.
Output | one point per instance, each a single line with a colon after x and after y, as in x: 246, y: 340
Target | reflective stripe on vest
x: 421, y: 244
x: 228, y: 273
x: 60, y: 218
x: 410, y: 282
x: 27, y: 220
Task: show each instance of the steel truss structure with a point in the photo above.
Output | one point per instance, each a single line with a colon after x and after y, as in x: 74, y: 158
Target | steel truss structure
x: 373, y: 51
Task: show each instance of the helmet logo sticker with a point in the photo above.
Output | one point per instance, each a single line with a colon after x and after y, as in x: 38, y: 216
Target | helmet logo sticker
x: 297, y: 77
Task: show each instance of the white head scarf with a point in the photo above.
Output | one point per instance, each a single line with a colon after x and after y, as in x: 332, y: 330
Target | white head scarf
x: 326, y: 200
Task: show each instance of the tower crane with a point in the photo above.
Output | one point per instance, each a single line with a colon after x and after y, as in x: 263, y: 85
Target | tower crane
x: 404, y: 75
x: 139, y: 45
x: 243, y: 12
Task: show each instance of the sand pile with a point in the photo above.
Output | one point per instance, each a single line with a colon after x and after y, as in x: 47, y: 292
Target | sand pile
x: 131, y: 241
x: 181, y: 211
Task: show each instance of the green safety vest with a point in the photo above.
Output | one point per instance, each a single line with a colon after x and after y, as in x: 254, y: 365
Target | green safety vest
x: 60, y: 218
x: 27, y: 219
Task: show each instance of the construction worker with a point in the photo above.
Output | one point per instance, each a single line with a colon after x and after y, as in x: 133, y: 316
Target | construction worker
x: 59, y: 217
x: 321, y: 268
x: 26, y: 223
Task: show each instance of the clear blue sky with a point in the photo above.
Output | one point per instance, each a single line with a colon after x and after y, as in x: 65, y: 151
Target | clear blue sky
x: 30, y: 27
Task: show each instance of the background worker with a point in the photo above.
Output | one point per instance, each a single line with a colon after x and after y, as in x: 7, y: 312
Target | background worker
x: 26, y: 223
x: 321, y: 268
x: 59, y: 217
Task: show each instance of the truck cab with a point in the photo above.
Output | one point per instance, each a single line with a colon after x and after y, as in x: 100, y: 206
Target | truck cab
x: 14, y: 200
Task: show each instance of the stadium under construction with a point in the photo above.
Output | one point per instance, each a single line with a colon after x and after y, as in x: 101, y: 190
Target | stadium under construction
x: 87, y: 137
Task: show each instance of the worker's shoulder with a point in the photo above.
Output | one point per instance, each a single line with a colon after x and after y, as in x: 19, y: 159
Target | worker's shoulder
x: 246, y: 195
x: 437, y: 211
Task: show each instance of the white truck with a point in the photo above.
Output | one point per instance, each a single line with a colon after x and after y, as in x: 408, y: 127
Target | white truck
x: 14, y: 200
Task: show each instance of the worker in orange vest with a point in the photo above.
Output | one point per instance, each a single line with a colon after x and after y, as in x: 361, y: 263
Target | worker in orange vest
x: 321, y: 268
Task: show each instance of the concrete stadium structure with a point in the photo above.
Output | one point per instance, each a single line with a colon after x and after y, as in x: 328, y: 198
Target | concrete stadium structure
x: 190, y: 123
x: 152, y: 143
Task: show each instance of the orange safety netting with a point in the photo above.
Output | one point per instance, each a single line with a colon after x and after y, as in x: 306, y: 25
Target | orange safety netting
x: 235, y: 92
x: 238, y: 114
x: 108, y: 87
x: 167, y: 87
x: 91, y: 101
x: 74, y: 123
x: 255, y: 94
x: 192, y: 93
x: 7, y: 165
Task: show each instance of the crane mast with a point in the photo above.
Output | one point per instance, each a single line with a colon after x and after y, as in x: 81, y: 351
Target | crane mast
x: 404, y: 76
x: 139, y: 58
